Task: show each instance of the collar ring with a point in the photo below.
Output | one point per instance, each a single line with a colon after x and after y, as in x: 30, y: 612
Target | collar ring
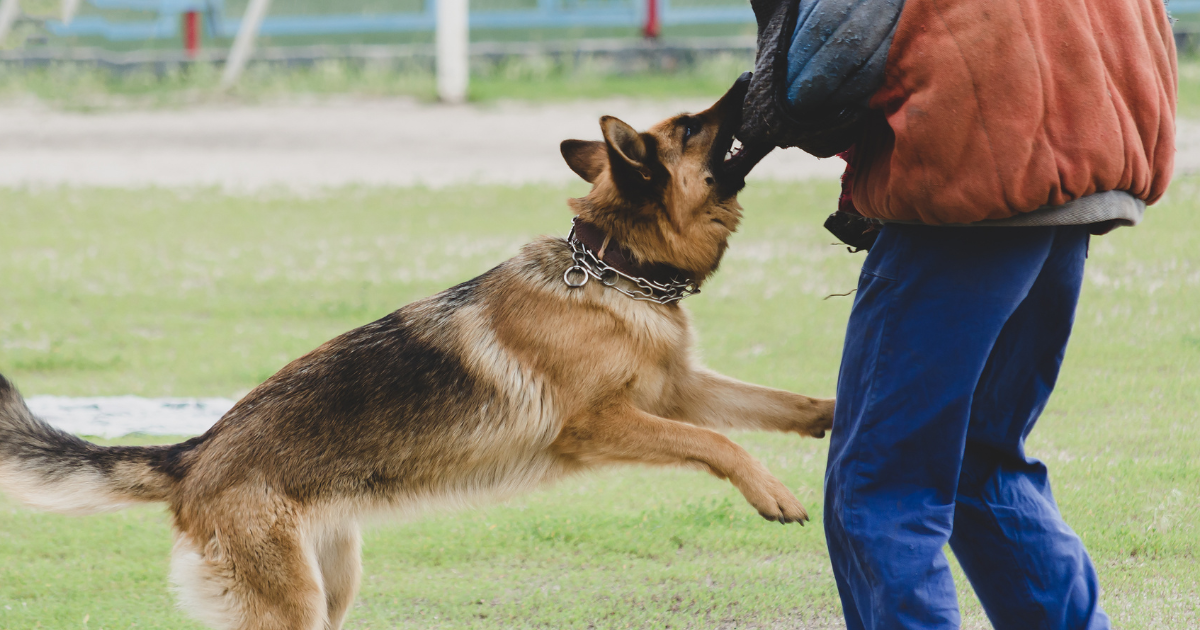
x: 575, y: 276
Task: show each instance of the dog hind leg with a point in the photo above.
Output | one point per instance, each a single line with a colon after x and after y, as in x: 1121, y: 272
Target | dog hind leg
x: 276, y: 584
x: 339, y: 554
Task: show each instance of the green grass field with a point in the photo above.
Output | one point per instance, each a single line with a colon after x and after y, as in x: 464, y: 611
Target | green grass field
x: 199, y: 293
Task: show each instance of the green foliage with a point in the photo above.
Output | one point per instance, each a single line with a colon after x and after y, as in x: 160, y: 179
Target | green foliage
x: 197, y: 292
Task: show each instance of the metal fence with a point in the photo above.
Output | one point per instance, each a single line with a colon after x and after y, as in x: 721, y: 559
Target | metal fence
x: 450, y: 20
x: 124, y: 20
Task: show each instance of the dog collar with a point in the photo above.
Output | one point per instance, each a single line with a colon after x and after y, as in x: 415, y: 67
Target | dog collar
x: 613, y: 266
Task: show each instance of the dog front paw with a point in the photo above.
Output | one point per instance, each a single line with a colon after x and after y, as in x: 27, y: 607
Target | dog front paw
x: 824, y: 420
x: 771, y: 498
x: 814, y: 417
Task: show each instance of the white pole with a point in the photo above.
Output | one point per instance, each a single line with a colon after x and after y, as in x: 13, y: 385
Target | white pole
x: 243, y: 43
x: 452, y: 50
x: 69, y: 9
x: 10, y: 10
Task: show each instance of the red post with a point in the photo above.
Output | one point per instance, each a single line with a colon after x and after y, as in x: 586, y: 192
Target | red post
x: 652, y: 26
x: 191, y: 33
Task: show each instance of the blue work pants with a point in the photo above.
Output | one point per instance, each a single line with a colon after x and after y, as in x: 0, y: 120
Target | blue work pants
x: 952, y: 349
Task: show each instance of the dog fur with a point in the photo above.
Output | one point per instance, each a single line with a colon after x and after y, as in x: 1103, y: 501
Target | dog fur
x: 493, y: 387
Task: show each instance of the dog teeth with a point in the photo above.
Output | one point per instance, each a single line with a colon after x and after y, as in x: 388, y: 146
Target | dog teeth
x: 734, y: 150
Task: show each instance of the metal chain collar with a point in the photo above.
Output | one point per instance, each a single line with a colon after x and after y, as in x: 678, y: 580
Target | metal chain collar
x: 588, y: 266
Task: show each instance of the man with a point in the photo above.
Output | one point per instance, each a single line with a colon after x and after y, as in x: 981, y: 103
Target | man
x: 987, y: 140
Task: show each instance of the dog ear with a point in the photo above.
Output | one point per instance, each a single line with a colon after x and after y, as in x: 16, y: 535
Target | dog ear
x: 627, y: 153
x: 586, y: 157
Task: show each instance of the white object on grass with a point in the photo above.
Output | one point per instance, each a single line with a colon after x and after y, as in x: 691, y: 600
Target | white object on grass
x: 453, y: 50
x: 114, y: 416
x: 243, y: 42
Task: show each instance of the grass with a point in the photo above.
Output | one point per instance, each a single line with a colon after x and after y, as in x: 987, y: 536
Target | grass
x: 1189, y: 87
x: 198, y: 293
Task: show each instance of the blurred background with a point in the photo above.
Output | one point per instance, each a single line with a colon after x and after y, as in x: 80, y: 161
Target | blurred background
x: 81, y: 52
x: 195, y: 192
x: 140, y: 47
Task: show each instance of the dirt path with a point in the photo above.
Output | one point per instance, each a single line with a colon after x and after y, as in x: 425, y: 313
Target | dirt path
x: 396, y: 142
x: 308, y: 146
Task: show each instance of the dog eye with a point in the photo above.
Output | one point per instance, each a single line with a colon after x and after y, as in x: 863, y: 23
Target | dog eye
x: 691, y: 128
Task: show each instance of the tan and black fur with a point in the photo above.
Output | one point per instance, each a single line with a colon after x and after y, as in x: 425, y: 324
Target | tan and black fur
x: 493, y: 387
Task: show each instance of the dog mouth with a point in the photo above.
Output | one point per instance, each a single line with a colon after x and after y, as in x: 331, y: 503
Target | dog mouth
x: 736, y: 149
x: 737, y: 159
x: 740, y: 159
x: 731, y: 159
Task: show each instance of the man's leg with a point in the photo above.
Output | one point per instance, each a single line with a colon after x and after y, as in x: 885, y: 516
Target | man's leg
x: 1027, y: 566
x: 931, y: 302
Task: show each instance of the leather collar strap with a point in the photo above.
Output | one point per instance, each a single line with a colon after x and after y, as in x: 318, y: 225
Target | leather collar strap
x: 595, y: 256
x: 620, y: 259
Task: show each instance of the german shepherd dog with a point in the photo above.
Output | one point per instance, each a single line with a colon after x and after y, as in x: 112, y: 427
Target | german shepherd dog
x: 573, y: 354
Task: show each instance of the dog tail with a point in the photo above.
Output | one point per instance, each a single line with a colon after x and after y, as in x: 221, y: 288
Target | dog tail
x: 53, y: 470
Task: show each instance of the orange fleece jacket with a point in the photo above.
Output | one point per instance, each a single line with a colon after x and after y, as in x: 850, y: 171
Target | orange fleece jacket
x: 994, y: 108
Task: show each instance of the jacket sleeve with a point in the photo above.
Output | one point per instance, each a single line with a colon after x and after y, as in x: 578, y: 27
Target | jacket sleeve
x: 819, y: 62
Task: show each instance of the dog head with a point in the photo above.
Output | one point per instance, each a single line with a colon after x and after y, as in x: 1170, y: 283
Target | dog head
x: 668, y: 194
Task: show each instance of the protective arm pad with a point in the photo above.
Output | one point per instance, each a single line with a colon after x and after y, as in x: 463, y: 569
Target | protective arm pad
x: 819, y: 62
x: 838, y: 52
